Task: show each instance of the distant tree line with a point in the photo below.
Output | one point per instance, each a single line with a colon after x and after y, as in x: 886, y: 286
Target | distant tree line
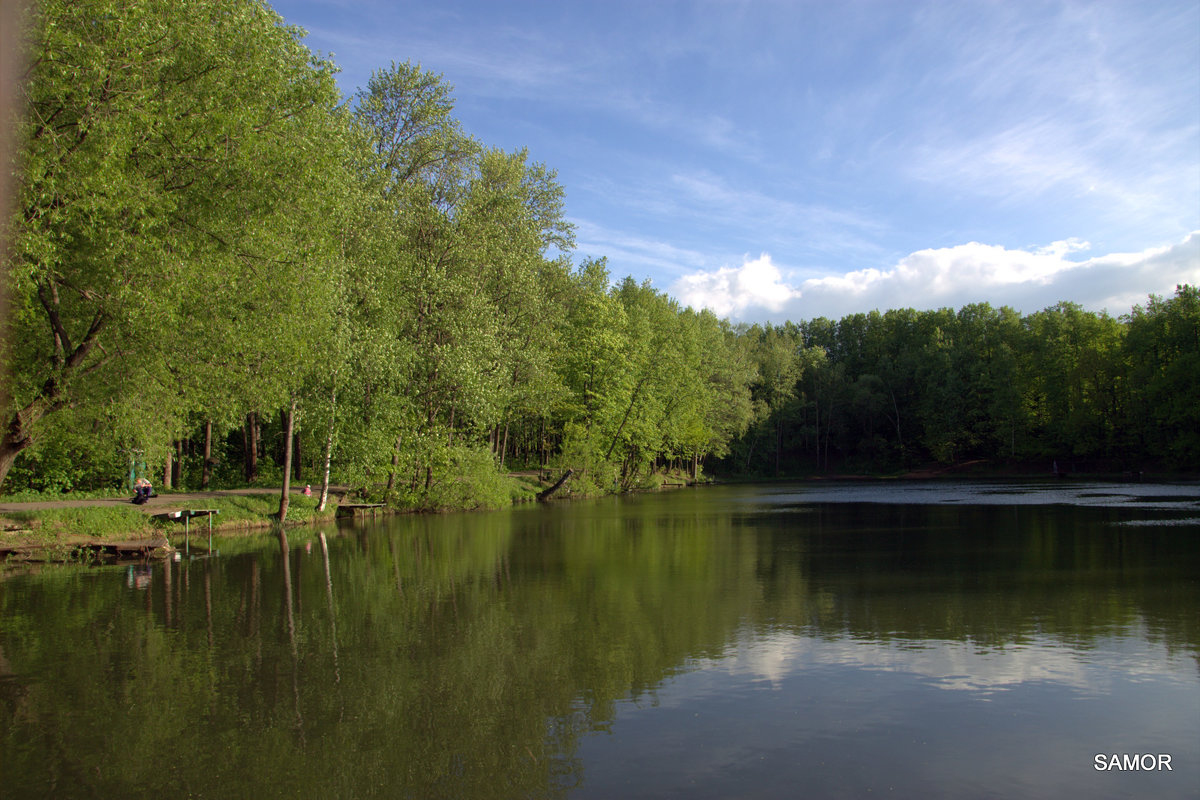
x: 224, y: 272
x: 1065, y: 386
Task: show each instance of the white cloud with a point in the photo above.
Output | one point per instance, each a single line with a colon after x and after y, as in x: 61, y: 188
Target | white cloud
x: 1061, y: 248
x: 1027, y: 280
x: 730, y: 291
x: 947, y: 664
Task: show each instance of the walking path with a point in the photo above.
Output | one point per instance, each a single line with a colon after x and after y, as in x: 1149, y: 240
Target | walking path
x: 157, y: 504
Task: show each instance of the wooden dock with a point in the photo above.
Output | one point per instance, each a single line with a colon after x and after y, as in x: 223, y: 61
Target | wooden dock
x: 354, y: 509
x: 185, y: 516
x: 139, y: 549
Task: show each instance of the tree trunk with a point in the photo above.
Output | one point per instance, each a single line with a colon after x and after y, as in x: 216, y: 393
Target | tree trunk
x: 543, y: 446
x: 18, y: 436
x: 545, y: 495
x: 206, y: 472
x: 896, y: 408
x: 177, y: 467
x: 8, y: 454
x: 328, y: 450
x: 289, y: 423
x: 297, y: 459
x: 281, y: 447
x: 251, y: 439
x: 632, y: 401
x: 778, y: 444
x: 68, y: 361
x: 246, y: 445
x: 504, y: 445
x: 817, y: 435
x: 828, y: 431
x: 168, y: 471
x: 391, y: 481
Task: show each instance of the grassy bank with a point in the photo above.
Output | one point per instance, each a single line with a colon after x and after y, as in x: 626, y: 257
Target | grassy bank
x: 61, y: 531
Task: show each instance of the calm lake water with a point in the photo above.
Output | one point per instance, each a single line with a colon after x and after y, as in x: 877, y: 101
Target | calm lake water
x: 808, y: 640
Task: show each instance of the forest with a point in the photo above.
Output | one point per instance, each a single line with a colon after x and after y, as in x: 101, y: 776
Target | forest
x: 223, y: 272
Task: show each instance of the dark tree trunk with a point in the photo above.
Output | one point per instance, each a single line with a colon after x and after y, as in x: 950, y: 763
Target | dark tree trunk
x: 297, y: 459
x: 632, y: 402
x: 289, y: 423
x: 18, y: 436
x: 391, y: 481
x: 778, y: 444
x: 504, y: 445
x: 206, y: 473
x: 8, y: 454
x: 251, y: 439
x: 543, y: 496
x: 246, y: 445
x: 68, y: 360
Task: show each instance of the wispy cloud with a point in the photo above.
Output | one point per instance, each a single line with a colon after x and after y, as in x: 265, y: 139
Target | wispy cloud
x: 1069, y: 106
x: 631, y: 254
x: 796, y: 226
x: 859, y: 143
x: 504, y: 63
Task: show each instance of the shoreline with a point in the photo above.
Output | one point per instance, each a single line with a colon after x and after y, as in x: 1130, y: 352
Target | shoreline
x: 82, y: 530
x: 55, y: 531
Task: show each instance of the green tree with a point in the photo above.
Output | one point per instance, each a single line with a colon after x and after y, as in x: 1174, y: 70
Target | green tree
x: 158, y: 153
x: 1162, y: 349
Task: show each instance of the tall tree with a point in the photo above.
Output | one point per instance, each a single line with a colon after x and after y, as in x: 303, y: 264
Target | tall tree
x: 157, y: 135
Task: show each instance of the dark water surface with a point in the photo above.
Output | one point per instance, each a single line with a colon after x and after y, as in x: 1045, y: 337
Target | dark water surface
x: 816, y: 640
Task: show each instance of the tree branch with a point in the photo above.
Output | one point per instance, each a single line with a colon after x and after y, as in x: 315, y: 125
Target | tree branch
x: 48, y: 295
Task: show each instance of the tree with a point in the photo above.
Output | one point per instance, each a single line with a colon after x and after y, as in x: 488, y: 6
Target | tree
x: 1162, y: 350
x: 159, y: 139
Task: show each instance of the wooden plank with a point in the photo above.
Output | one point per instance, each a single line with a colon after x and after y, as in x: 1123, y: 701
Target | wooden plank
x: 350, y: 509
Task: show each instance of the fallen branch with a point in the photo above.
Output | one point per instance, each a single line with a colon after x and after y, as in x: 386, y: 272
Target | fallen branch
x: 545, y: 495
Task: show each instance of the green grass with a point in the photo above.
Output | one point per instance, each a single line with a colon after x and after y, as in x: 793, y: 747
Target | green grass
x: 254, y: 510
x: 54, y: 528
x: 51, y: 524
x: 524, y: 489
x: 31, y: 496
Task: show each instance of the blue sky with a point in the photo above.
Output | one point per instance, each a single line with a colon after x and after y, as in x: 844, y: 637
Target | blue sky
x: 776, y: 159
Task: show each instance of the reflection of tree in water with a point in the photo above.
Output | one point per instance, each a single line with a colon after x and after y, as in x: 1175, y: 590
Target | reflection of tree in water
x: 466, y: 656
x: 993, y: 576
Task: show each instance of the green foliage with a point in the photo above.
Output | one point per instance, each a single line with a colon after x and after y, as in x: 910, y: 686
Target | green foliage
x: 467, y: 479
x: 883, y: 392
x: 90, y: 522
x: 1162, y: 346
x: 257, y: 510
x: 206, y: 234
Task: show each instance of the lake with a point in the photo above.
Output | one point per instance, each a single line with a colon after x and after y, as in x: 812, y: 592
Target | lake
x: 790, y: 640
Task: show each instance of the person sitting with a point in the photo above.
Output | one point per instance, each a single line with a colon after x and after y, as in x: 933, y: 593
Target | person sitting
x: 141, y: 491
x: 308, y: 490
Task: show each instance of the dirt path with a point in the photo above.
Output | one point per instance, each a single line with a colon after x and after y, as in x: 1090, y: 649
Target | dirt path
x: 157, y: 504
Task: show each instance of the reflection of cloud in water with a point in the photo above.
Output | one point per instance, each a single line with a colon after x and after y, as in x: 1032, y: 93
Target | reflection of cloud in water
x: 956, y: 665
